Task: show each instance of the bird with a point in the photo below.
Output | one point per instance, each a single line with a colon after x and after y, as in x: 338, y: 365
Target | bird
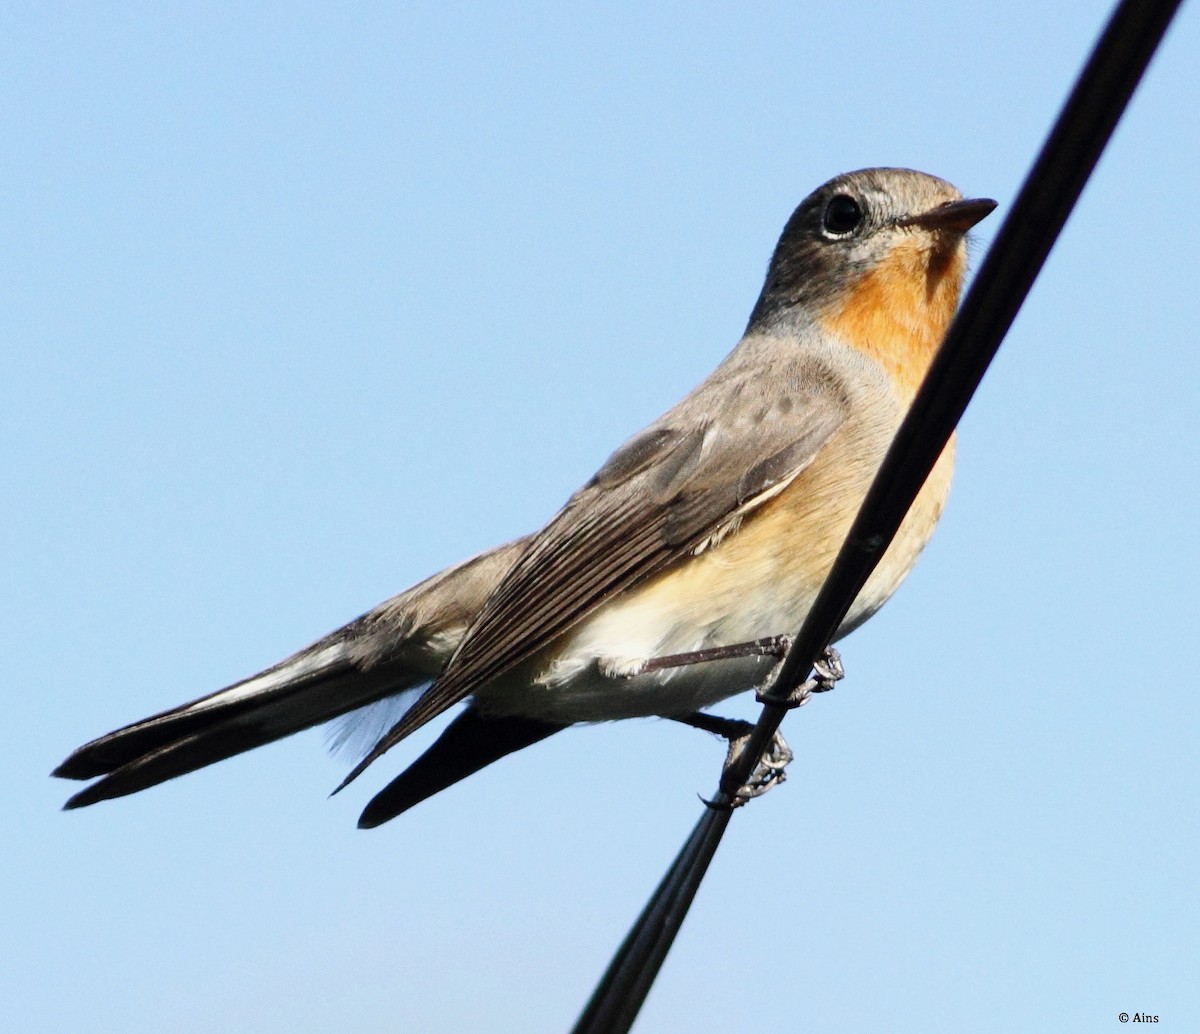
x: 714, y: 526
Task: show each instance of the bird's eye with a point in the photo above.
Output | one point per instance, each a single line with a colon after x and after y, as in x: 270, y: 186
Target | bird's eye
x: 842, y: 215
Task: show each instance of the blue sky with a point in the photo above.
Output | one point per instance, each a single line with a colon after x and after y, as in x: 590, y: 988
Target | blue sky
x: 301, y: 304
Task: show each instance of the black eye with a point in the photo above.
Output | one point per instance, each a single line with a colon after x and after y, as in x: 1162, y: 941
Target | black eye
x: 842, y: 215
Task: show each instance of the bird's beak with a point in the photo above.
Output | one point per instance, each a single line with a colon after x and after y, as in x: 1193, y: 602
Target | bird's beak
x: 957, y: 216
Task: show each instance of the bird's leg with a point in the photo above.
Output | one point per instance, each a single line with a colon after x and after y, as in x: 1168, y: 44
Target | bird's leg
x: 773, y: 645
x: 727, y: 728
x: 827, y: 672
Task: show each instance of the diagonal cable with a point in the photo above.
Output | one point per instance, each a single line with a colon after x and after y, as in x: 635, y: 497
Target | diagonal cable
x: 1038, y: 214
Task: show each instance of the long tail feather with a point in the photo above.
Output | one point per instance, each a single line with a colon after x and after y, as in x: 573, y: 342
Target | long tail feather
x: 250, y: 714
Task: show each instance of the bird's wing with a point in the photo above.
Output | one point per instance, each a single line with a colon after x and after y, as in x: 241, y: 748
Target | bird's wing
x: 735, y: 442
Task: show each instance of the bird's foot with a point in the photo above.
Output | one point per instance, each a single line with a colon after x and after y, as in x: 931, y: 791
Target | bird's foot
x: 828, y: 671
x: 768, y: 772
x: 770, y: 768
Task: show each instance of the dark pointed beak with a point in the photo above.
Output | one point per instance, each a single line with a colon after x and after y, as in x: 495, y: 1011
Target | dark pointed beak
x: 957, y: 216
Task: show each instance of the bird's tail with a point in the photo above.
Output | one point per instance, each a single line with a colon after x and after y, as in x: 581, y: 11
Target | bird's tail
x: 302, y: 692
x: 395, y: 648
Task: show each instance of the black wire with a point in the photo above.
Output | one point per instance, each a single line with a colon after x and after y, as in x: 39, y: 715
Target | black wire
x: 1039, y: 212
x: 619, y: 996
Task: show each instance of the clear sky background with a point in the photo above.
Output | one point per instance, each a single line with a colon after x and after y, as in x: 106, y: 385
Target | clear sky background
x: 302, y: 303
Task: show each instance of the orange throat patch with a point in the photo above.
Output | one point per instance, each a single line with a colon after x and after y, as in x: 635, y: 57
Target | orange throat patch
x: 898, y: 313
